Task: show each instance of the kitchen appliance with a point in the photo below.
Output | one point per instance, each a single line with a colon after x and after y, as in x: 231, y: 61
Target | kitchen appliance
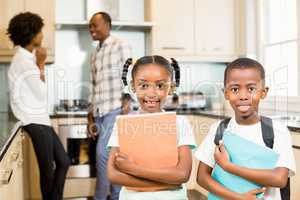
x: 72, y: 106
x: 80, y: 149
x: 192, y: 101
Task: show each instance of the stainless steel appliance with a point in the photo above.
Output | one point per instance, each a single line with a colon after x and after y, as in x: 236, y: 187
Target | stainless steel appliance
x: 80, y: 149
x: 72, y: 105
x: 192, y: 101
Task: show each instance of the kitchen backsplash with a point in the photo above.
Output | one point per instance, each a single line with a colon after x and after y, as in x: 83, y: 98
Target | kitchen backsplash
x: 3, y: 88
x: 68, y: 77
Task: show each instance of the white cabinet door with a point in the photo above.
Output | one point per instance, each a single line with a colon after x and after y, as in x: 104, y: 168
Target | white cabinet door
x: 173, y: 32
x: 215, y: 28
x: 11, y: 171
x: 295, y: 181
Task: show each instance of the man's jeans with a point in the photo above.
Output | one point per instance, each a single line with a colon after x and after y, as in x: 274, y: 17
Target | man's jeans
x: 103, y: 187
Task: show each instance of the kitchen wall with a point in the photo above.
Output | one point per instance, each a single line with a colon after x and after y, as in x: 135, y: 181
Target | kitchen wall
x: 206, y: 78
x: 68, y: 76
x: 3, y: 88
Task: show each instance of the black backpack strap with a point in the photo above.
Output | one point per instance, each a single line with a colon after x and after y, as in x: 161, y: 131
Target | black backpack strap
x: 268, y: 137
x: 267, y: 131
x: 221, y: 128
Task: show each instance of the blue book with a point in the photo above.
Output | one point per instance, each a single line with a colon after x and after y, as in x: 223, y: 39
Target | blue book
x: 245, y: 153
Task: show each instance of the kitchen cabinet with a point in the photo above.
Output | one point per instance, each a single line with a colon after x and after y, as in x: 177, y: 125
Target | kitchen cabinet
x: 201, y: 126
x: 173, y: 32
x: 12, y: 171
x: 9, y: 8
x: 215, y: 28
x: 196, y: 30
x: 295, y: 180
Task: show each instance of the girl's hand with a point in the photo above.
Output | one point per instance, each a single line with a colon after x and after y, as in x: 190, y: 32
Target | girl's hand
x: 251, y: 195
x: 124, y: 163
x: 221, y: 155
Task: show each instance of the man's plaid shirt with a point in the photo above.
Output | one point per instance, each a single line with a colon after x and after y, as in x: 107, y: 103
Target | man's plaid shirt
x: 105, y: 75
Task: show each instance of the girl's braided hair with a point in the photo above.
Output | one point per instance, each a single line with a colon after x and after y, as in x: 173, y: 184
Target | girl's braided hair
x: 172, y: 67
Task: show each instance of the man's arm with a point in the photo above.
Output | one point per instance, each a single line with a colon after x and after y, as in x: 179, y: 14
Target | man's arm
x: 91, y: 126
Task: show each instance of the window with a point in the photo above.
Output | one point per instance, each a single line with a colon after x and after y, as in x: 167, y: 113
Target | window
x: 279, y: 45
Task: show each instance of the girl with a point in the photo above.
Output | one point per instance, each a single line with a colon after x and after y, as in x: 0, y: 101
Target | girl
x: 152, y: 81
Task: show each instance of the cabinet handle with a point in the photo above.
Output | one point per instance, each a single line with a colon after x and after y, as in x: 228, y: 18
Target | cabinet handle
x: 217, y: 49
x: 14, y: 156
x: 173, y: 48
x: 5, y: 176
x: 20, y: 163
x: 22, y: 135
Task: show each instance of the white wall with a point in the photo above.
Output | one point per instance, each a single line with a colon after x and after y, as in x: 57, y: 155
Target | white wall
x: 68, y: 77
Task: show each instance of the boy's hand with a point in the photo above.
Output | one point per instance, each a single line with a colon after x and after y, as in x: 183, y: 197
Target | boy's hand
x: 124, y: 163
x: 251, y: 195
x: 221, y: 155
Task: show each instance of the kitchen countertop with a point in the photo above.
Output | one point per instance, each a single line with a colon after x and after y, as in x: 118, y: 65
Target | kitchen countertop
x: 220, y: 114
x: 9, y: 126
x: 68, y: 115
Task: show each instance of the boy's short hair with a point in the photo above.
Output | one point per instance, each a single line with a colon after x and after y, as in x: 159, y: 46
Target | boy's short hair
x: 245, y: 63
x: 23, y: 27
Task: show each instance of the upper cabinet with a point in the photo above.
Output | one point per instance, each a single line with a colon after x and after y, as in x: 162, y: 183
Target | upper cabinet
x: 173, y: 32
x: 215, y: 28
x: 196, y: 30
x: 10, y: 8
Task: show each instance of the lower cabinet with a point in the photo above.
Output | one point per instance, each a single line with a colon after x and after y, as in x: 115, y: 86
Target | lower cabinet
x: 201, y: 126
x: 295, y: 180
x: 12, y: 174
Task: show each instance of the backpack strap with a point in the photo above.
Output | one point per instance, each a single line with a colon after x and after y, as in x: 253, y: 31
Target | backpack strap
x: 268, y: 137
x: 221, y: 128
x: 267, y: 131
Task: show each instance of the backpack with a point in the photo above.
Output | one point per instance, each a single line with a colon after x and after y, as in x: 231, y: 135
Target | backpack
x: 268, y: 137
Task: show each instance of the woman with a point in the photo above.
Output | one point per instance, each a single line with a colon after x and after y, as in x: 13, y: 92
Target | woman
x: 28, y: 100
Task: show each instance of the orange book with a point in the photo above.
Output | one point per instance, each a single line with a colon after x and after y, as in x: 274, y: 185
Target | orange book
x: 150, y: 140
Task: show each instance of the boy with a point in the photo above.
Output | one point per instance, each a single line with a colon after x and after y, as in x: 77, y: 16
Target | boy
x: 244, y: 83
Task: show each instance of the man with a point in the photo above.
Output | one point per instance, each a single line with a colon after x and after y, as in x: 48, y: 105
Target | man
x: 106, y: 71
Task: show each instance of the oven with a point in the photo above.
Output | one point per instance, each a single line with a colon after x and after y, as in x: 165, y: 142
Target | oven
x: 80, y: 149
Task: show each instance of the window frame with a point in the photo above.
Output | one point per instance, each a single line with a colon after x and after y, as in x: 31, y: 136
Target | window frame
x: 290, y: 103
